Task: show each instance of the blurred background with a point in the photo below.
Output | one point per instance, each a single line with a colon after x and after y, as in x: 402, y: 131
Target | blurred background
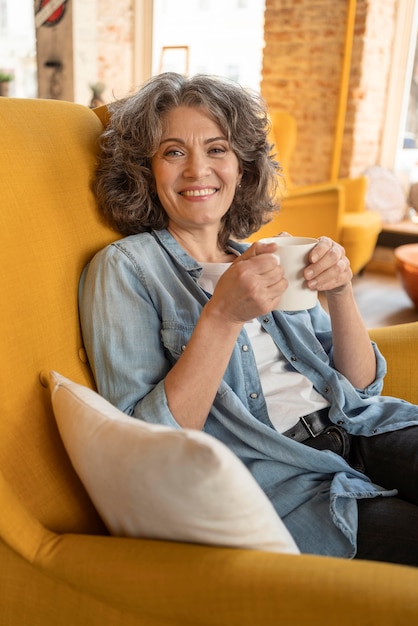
x: 340, y: 66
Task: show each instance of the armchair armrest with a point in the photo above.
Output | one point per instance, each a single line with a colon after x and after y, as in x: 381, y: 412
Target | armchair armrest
x: 18, y: 527
x: 399, y: 345
x: 171, y: 582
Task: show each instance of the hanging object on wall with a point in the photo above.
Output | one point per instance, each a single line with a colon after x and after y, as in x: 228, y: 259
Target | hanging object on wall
x: 50, y: 12
x: 174, y: 59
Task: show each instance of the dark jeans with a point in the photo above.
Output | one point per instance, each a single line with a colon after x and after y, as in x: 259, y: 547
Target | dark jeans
x: 388, y: 526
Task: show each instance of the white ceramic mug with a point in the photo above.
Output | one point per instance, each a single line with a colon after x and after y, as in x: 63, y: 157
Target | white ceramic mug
x: 293, y: 256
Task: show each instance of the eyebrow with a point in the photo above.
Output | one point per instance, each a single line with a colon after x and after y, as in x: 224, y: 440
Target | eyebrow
x: 181, y: 141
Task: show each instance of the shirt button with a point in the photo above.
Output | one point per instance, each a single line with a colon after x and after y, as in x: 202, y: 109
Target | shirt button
x: 266, y: 320
x: 293, y: 358
x: 340, y: 422
x: 253, y: 395
x: 326, y: 389
x: 245, y: 348
x: 183, y: 347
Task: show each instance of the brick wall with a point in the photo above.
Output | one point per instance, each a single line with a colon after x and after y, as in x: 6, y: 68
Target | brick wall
x: 372, y: 51
x: 302, y: 67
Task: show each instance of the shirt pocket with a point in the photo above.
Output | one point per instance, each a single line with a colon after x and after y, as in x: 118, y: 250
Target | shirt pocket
x: 175, y: 337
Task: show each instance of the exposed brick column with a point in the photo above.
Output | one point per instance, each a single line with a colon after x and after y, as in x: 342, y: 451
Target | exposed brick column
x: 91, y: 44
x: 302, y: 71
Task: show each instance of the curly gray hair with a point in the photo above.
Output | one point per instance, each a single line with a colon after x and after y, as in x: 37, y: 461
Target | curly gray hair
x: 124, y: 183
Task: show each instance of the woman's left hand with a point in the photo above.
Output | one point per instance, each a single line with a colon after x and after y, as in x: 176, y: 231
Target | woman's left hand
x: 330, y: 272
x: 329, y: 268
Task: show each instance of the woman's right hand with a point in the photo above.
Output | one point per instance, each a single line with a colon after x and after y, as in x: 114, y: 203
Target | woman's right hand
x: 252, y: 286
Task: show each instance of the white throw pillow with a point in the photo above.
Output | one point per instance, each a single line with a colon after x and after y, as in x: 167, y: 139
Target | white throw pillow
x: 152, y: 481
x: 385, y: 194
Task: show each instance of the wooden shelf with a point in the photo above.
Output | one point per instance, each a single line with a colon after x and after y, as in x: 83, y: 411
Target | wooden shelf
x: 398, y: 234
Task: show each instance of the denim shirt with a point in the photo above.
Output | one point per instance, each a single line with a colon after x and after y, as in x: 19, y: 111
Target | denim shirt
x: 139, y: 304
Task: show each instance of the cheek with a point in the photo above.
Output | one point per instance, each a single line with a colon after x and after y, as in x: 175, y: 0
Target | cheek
x: 230, y: 172
x: 162, y: 179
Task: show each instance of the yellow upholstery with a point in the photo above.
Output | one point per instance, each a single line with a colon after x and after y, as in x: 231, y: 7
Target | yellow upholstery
x: 57, y: 564
x: 337, y: 210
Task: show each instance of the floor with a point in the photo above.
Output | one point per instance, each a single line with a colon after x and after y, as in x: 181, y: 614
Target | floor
x: 382, y: 300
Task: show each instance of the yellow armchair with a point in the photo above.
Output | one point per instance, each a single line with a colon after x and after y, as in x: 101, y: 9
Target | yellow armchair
x: 57, y: 563
x: 337, y: 210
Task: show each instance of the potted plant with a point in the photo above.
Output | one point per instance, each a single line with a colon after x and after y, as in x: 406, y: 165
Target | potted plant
x: 5, y: 79
x: 97, y: 100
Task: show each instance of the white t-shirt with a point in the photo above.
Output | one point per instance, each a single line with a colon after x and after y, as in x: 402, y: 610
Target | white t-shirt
x: 289, y: 395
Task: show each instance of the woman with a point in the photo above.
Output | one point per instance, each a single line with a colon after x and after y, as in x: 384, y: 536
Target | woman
x: 181, y: 325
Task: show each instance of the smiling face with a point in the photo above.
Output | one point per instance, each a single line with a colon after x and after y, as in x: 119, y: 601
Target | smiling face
x: 196, y: 172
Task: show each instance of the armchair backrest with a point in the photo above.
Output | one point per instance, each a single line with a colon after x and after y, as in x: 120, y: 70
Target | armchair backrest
x: 49, y: 229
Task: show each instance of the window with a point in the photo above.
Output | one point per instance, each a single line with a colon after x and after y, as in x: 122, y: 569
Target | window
x: 223, y: 37
x: 3, y: 15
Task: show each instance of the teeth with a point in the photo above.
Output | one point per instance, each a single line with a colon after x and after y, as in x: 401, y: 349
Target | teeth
x: 198, y: 192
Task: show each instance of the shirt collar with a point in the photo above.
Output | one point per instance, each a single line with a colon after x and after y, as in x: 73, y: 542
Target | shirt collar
x: 169, y: 243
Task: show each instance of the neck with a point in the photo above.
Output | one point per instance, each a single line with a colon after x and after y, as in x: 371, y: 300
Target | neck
x: 202, y: 248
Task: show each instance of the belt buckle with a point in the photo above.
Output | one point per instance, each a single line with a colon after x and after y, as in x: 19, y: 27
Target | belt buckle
x: 308, y: 428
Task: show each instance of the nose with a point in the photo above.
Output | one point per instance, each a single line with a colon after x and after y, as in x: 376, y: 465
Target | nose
x: 197, y: 165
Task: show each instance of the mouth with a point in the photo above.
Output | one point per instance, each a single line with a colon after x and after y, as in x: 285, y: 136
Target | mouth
x: 198, y: 193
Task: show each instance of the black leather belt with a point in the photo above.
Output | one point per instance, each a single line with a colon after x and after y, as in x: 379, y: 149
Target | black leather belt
x: 310, y: 426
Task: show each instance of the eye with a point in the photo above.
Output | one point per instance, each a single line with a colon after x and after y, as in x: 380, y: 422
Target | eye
x: 173, y: 152
x: 218, y: 150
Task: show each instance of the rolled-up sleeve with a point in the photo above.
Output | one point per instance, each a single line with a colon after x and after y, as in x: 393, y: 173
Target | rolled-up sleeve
x: 322, y: 330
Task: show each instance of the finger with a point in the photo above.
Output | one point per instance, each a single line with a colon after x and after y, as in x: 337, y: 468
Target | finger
x: 326, y: 254
x: 258, y: 260
x: 322, y: 247
x: 333, y: 277
x: 282, y: 233
x: 258, y: 248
